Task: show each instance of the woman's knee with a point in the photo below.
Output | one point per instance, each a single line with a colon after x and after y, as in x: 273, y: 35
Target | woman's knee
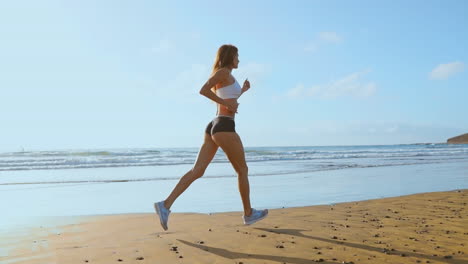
x: 197, y: 172
x: 242, y: 170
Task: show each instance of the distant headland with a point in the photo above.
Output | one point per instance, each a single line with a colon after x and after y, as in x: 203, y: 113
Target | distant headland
x: 462, y: 139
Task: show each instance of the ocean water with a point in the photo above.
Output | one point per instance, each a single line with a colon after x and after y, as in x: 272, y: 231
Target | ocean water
x: 92, y: 182
x: 22, y: 167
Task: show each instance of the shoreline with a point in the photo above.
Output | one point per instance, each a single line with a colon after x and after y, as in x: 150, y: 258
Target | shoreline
x: 412, y: 228
x: 273, y: 208
x: 221, y: 194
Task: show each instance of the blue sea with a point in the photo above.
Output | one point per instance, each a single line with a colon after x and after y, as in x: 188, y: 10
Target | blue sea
x: 113, y: 181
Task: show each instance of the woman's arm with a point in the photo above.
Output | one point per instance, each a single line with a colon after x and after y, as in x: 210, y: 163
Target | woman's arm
x: 218, y: 77
x: 245, y: 87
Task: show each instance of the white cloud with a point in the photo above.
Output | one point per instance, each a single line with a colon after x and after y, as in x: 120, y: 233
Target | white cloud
x: 187, y: 82
x: 311, y: 47
x: 173, y: 42
x: 444, y: 71
x: 322, y: 39
x: 362, y: 132
x: 163, y: 46
x: 254, y: 71
x: 330, y: 37
x: 392, y: 129
x: 296, y: 91
x: 351, y: 85
x: 194, y: 35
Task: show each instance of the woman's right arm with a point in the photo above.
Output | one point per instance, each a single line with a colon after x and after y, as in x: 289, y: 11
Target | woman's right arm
x: 218, y: 77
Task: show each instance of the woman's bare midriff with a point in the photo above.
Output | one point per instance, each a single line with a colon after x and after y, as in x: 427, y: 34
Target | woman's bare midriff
x: 223, y: 110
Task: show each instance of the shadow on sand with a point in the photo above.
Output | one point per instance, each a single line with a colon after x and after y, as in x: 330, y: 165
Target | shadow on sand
x: 298, y: 233
x: 238, y: 255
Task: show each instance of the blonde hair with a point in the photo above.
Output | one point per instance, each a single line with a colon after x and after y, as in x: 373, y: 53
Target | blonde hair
x: 224, y: 57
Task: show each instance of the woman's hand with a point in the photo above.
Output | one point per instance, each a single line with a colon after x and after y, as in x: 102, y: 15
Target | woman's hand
x: 231, y: 106
x: 246, y: 86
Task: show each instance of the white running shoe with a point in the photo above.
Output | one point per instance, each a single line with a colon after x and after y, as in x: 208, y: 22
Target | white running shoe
x: 163, y: 213
x: 255, y: 216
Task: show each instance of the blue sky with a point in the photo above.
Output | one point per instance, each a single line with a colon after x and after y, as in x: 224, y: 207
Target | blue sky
x: 118, y: 74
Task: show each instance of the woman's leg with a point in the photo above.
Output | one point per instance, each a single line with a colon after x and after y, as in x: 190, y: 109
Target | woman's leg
x: 231, y: 144
x: 205, y: 155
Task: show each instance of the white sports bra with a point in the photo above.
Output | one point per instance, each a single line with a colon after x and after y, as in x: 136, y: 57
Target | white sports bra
x: 230, y: 91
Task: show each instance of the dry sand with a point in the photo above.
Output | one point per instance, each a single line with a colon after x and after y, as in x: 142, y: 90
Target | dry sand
x: 420, y: 228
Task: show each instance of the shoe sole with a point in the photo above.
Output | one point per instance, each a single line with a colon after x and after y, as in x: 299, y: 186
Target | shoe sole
x: 256, y: 220
x: 156, y: 207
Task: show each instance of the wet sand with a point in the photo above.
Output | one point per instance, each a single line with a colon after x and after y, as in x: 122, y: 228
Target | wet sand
x: 420, y: 228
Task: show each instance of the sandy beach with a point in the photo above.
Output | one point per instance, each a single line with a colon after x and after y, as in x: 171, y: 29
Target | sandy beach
x: 420, y: 228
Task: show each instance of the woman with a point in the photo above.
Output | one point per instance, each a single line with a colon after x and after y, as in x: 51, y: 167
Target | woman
x: 222, y: 88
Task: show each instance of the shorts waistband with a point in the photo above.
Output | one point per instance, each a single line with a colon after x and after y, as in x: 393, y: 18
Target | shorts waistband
x: 223, y: 116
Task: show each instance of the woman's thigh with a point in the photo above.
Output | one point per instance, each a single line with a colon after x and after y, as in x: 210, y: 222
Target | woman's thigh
x: 206, y: 154
x: 231, y: 144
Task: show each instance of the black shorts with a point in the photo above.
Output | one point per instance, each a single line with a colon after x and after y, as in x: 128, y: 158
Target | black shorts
x: 221, y: 124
